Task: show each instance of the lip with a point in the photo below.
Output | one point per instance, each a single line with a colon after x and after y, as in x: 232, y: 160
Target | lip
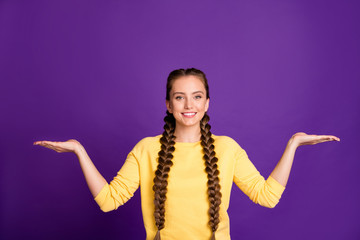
x: 189, y: 116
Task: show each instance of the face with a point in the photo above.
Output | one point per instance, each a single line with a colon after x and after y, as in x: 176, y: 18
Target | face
x: 188, y: 101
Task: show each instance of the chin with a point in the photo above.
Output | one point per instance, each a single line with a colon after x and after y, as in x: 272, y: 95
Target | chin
x: 190, y: 124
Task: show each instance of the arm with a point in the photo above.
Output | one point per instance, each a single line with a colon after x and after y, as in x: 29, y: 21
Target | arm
x: 266, y: 193
x: 282, y: 169
x: 108, y: 196
x: 122, y: 187
x: 94, y: 179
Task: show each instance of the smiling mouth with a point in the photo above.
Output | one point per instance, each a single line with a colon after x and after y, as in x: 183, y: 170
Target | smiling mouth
x: 189, y: 115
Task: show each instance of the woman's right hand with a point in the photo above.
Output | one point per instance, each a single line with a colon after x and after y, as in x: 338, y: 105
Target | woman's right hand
x: 94, y: 179
x: 71, y: 145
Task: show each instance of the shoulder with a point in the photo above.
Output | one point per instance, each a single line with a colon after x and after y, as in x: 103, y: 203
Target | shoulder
x: 221, y: 139
x: 148, y: 143
x: 150, y: 140
x: 226, y: 142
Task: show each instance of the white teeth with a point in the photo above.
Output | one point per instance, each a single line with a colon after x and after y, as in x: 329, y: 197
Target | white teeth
x: 189, y: 114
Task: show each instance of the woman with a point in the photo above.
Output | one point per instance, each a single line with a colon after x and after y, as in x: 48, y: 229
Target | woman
x: 186, y: 173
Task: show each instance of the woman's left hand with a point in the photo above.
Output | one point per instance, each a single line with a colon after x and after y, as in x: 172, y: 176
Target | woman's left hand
x: 302, y: 138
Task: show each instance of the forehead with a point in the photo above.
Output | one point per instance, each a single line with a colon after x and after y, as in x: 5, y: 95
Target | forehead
x: 188, y: 84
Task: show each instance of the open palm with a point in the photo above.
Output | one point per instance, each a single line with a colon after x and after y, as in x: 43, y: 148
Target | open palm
x: 302, y: 138
x: 68, y: 146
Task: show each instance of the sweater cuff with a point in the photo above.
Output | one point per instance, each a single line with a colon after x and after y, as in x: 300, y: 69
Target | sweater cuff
x: 100, y: 198
x: 275, y: 185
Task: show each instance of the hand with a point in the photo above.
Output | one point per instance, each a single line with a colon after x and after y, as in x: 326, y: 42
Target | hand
x: 302, y: 138
x: 71, y: 145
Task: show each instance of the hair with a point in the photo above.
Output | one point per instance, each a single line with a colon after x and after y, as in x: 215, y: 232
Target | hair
x: 166, y: 155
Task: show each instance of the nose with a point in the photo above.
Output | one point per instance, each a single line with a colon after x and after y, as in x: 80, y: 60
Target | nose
x: 188, y: 104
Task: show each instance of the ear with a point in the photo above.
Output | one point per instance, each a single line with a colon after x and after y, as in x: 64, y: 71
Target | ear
x: 207, y: 104
x: 168, y: 106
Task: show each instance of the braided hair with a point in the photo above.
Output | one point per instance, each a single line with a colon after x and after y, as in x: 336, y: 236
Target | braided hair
x: 165, y: 159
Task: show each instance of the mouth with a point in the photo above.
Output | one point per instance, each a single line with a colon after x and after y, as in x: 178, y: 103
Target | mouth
x: 189, y: 114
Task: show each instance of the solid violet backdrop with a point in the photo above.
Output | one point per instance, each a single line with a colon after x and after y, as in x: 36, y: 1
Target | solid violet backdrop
x: 96, y: 71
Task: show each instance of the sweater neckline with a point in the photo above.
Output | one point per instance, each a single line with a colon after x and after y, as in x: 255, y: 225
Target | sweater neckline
x: 186, y: 144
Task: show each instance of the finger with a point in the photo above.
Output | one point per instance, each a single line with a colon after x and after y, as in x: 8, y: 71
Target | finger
x: 331, y: 137
x: 49, y: 146
x: 336, y: 138
x: 38, y: 142
x: 326, y: 140
x: 49, y: 143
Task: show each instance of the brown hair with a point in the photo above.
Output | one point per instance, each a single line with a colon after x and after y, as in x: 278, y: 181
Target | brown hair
x: 165, y: 159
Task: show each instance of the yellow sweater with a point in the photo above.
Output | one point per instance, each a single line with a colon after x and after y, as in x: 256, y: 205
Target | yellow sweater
x: 187, y: 205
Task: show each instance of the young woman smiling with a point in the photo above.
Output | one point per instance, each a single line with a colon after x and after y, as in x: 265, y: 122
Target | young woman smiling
x: 186, y: 174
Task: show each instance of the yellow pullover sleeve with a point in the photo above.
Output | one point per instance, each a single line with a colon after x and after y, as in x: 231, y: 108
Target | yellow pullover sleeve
x: 266, y: 193
x: 122, y: 187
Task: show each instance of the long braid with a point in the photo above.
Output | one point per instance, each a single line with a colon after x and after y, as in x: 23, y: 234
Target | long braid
x: 165, y: 159
x: 212, y: 174
x: 162, y: 173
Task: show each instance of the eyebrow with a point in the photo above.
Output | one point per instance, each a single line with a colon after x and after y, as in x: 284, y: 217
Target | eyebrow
x: 184, y: 93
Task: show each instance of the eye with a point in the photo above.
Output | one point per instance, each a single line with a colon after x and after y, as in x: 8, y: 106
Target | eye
x: 198, y: 97
x: 178, y: 97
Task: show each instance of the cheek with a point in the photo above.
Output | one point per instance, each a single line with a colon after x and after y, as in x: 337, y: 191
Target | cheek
x: 202, y: 105
x: 176, y: 107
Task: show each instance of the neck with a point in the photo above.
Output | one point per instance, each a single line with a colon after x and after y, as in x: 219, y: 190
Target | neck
x: 187, y: 134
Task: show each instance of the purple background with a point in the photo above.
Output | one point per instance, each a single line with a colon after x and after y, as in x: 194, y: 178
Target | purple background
x: 96, y: 71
